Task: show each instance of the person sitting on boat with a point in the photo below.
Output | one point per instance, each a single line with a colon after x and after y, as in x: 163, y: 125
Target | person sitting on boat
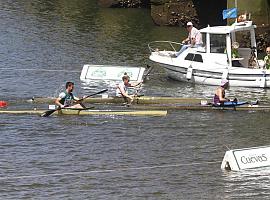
x: 66, y: 99
x: 194, y: 39
x: 122, y: 88
x: 267, y: 58
x: 219, y: 97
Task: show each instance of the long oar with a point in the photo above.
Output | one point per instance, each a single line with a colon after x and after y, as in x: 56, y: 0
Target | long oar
x: 149, y: 70
x: 49, y: 112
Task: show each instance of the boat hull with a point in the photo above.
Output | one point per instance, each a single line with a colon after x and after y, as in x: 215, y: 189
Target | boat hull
x: 113, y: 112
x: 264, y: 108
x: 257, y: 79
x: 119, y: 100
x: 90, y: 112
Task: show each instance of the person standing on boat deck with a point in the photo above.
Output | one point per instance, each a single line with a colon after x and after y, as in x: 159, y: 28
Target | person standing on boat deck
x: 219, y: 97
x: 194, y: 39
x: 122, y: 88
x: 235, y: 55
x: 66, y: 98
x: 267, y: 58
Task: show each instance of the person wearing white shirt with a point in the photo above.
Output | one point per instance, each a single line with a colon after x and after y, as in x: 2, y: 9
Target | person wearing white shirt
x: 194, y: 39
x: 122, y: 88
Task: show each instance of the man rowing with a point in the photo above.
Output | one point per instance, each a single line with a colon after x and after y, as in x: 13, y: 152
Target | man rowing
x: 219, y: 97
x: 66, y: 99
x: 122, y: 88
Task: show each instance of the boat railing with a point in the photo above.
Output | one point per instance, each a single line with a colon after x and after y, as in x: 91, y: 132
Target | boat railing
x: 164, y: 46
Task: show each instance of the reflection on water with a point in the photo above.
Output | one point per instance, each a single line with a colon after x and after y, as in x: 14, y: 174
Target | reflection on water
x: 248, y: 184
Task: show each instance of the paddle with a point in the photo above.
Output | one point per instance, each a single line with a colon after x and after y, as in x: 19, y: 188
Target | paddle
x: 49, y: 112
x: 102, y: 91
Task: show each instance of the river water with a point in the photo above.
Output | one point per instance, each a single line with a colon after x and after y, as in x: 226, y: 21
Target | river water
x: 43, y: 44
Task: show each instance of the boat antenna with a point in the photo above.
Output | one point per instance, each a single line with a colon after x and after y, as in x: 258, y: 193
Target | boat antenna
x: 235, y: 4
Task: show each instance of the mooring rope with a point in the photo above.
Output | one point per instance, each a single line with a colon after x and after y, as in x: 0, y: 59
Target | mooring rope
x: 106, y: 170
x: 41, y: 70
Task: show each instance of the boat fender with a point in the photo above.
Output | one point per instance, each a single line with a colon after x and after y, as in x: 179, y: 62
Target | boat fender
x: 189, y: 73
x: 225, y: 74
x: 263, y: 80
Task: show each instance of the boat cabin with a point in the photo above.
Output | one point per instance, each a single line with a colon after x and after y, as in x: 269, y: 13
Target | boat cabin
x: 220, y: 40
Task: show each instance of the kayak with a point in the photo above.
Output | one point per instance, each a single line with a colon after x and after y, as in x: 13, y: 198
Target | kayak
x: 120, y: 100
x: 90, y: 112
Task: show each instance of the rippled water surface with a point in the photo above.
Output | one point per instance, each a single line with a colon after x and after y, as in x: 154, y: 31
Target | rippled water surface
x: 43, y: 44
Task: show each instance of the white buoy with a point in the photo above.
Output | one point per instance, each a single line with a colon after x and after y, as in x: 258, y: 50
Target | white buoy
x: 189, y: 72
x: 248, y: 158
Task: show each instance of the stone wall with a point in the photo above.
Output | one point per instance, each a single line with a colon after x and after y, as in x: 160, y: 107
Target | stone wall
x: 173, y: 12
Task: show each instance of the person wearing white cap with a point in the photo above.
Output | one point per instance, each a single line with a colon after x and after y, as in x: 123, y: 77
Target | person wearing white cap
x: 194, y: 39
x: 219, y: 97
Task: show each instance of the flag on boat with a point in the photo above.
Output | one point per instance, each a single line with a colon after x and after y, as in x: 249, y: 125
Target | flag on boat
x: 230, y: 13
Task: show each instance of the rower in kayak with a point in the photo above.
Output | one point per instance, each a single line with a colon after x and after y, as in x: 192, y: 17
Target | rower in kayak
x: 66, y: 99
x: 122, y: 88
x: 222, y: 101
x: 219, y: 98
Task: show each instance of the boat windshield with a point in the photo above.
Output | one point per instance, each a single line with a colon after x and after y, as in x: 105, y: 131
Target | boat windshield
x: 217, y: 43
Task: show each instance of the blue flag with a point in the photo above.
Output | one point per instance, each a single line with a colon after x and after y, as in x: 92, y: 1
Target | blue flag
x: 230, y: 13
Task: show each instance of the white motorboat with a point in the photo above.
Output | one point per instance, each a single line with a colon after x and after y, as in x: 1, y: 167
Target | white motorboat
x: 213, y: 61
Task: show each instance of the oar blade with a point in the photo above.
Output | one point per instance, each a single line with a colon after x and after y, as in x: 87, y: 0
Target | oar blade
x: 48, y: 113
